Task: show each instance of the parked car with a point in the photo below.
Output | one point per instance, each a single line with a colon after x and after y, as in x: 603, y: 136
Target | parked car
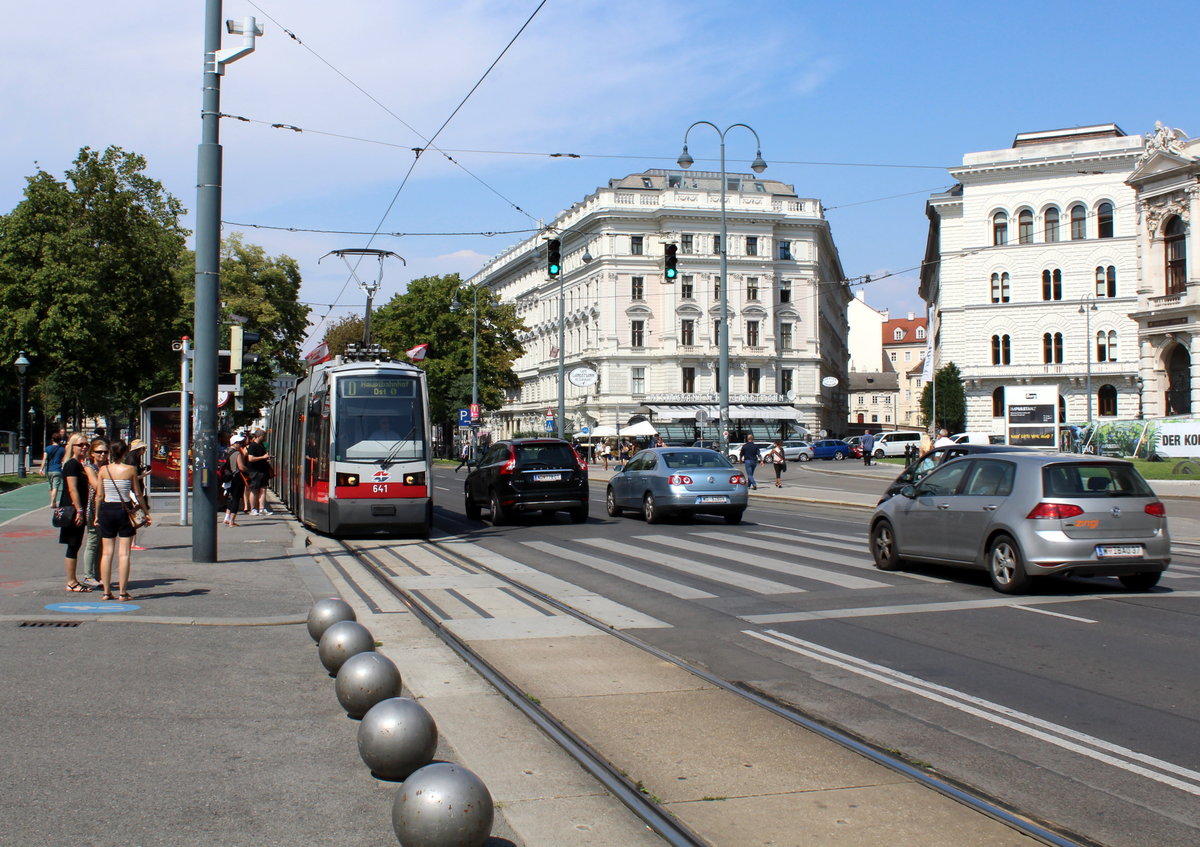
x: 708, y: 445
x: 797, y: 451
x: 977, y: 438
x: 831, y: 448
x: 1022, y: 515
x: 678, y: 480
x: 921, y: 468
x: 894, y: 443
x: 528, y: 474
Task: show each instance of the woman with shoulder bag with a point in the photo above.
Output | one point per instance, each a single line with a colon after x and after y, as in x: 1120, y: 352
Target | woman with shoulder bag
x: 778, y: 460
x: 120, y: 489
x: 237, y: 479
x: 74, y: 496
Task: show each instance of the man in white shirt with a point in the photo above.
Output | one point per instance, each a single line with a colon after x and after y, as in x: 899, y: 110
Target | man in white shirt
x: 943, y: 439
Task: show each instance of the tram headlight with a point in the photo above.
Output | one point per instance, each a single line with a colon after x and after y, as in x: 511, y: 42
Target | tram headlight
x: 414, y: 478
x: 347, y: 479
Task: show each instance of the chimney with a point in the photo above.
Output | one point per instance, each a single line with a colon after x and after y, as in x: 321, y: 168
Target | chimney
x: 911, y: 315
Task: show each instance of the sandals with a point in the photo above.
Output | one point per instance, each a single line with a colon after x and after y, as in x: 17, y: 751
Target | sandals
x: 107, y: 595
x: 77, y: 588
x: 124, y: 596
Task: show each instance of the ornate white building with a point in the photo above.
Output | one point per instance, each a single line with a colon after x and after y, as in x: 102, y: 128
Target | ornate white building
x: 1032, y: 273
x: 1167, y: 182
x: 654, y: 344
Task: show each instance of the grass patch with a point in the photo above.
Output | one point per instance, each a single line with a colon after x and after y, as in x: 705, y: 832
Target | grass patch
x: 10, y: 483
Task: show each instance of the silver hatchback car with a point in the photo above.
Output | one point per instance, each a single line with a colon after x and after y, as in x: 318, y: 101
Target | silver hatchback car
x: 1023, y: 515
x: 678, y: 480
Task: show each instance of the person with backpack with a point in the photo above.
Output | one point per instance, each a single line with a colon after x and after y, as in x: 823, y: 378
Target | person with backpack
x: 236, y: 472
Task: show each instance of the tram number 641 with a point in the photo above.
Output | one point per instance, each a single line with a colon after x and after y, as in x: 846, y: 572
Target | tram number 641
x: 379, y: 489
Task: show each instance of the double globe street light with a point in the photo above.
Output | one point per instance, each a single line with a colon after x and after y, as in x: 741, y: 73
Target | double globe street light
x: 758, y: 166
x: 22, y: 365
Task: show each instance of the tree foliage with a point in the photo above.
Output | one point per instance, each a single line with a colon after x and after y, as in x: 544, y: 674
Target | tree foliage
x: 349, y: 330
x: 951, y: 400
x: 424, y: 314
x: 89, y: 282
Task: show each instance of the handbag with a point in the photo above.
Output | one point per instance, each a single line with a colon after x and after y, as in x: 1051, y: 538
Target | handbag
x: 135, y: 511
x: 63, y: 517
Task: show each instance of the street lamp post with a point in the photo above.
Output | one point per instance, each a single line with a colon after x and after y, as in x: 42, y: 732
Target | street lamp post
x: 474, y: 365
x: 1086, y: 307
x: 758, y: 166
x: 22, y: 365
x: 562, y: 348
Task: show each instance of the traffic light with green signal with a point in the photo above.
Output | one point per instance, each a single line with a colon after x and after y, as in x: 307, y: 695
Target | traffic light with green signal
x: 554, y: 257
x: 671, y: 262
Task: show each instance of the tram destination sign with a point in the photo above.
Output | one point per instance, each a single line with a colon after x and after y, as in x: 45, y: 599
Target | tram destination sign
x: 360, y: 386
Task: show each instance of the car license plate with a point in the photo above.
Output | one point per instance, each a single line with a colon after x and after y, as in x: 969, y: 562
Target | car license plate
x: 712, y: 499
x: 1120, y: 551
x: 547, y: 477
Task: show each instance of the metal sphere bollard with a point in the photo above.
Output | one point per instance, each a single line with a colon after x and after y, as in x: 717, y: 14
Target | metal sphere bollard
x: 396, y: 737
x: 326, y: 612
x: 442, y: 805
x: 364, y: 680
x: 341, y: 641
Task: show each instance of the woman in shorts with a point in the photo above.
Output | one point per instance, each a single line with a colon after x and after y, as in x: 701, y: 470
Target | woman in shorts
x: 74, y: 493
x: 118, y: 484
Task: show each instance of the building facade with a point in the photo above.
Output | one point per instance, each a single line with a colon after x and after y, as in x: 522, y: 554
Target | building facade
x: 1031, y: 274
x: 1167, y: 183
x: 654, y: 345
x: 904, y: 341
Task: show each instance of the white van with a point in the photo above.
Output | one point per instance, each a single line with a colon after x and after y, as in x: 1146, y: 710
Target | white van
x: 976, y: 438
x: 894, y: 443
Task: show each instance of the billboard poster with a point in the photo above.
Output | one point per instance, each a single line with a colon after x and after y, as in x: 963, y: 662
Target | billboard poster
x: 164, y: 449
x: 1178, y: 438
x: 1031, y: 415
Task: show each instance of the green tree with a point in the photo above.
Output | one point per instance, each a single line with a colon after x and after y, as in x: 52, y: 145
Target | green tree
x: 349, y: 330
x: 423, y: 314
x: 951, y: 400
x: 89, y: 284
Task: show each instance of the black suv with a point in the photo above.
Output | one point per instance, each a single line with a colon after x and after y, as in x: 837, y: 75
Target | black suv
x: 525, y: 475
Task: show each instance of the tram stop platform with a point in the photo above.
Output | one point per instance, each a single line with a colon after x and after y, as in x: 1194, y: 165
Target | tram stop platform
x: 199, y: 713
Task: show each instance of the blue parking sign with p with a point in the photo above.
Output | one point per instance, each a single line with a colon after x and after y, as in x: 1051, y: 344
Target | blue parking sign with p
x: 464, y: 417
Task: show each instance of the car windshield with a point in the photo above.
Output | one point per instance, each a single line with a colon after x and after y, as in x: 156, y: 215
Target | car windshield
x: 548, y: 455
x: 1087, y: 479
x: 679, y: 461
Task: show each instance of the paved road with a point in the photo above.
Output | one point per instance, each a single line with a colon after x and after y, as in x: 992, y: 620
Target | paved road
x: 1079, y: 705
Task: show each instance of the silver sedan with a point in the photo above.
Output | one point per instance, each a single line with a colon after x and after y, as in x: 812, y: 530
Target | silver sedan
x: 678, y: 480
x: 1024, y: 515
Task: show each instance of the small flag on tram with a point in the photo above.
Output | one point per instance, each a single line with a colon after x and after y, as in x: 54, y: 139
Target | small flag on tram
x: 418, y: 353
x: 319, y: 355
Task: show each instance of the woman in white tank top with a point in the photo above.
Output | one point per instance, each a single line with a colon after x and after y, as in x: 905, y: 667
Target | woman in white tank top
x: 118, y: 484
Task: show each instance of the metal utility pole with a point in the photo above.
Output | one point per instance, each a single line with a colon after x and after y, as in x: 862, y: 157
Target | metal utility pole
x: 208, y: 277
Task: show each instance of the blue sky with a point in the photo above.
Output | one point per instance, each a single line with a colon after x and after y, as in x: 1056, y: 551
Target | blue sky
x: 864, y: 85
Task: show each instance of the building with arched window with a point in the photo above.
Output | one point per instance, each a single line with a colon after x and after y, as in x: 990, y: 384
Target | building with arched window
x: 1011, y: 311
x: 652, y: 343
x: 1167, y: 183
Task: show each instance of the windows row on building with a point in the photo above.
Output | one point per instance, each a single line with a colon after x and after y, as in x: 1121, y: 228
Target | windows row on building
x: 1076, y: 225
x: 754, y: 289
x: 687, y: 379
x: 692, y: 244
x: 753, y: 336
x: 1105, y: 277
x: 1052, y: 348
x: 1105, y: 400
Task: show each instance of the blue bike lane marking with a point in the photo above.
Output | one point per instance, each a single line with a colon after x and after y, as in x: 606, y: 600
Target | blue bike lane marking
x: 92, y: 608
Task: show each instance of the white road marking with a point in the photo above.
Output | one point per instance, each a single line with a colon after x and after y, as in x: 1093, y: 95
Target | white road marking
x: 689, y: 566
x: 1131, y: 761
x: 792, y: 569
x: 1048, y: 612
x: 850, y: 562
x: 675, y: 589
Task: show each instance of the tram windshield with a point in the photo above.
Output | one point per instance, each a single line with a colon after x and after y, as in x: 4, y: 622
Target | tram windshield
x: 379, y: 418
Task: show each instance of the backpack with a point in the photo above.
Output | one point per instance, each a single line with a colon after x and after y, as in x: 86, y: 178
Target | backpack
x: 224, y: 471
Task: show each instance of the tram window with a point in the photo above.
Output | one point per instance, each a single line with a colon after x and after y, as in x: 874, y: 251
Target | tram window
x: 379, y: 418
x: 316, y: 440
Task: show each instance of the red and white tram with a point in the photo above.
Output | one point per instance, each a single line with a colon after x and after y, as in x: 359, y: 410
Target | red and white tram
x: 353, y: 449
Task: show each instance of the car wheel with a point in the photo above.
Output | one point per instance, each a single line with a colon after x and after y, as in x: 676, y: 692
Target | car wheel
x: 610, y: 503
x: 733, y: 517
x: 883, y: 547
x: 1005, y: 567
x: 839, y: 456
x: 804, y: 457
x: 650, y: 510
x: 499, y: 514
x: 470, y: 507
x: 1142, y: 581
x: 579, y: 515
x: 878, y: 454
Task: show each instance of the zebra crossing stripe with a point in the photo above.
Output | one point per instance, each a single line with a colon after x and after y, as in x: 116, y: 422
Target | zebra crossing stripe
x: 698, y: 569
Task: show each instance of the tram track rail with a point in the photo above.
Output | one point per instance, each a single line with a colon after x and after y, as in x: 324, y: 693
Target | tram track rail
x: 662, y: 822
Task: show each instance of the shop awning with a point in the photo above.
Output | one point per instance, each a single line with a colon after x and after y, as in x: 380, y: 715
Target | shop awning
x: 682, y: 413
x: 764, y: 413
